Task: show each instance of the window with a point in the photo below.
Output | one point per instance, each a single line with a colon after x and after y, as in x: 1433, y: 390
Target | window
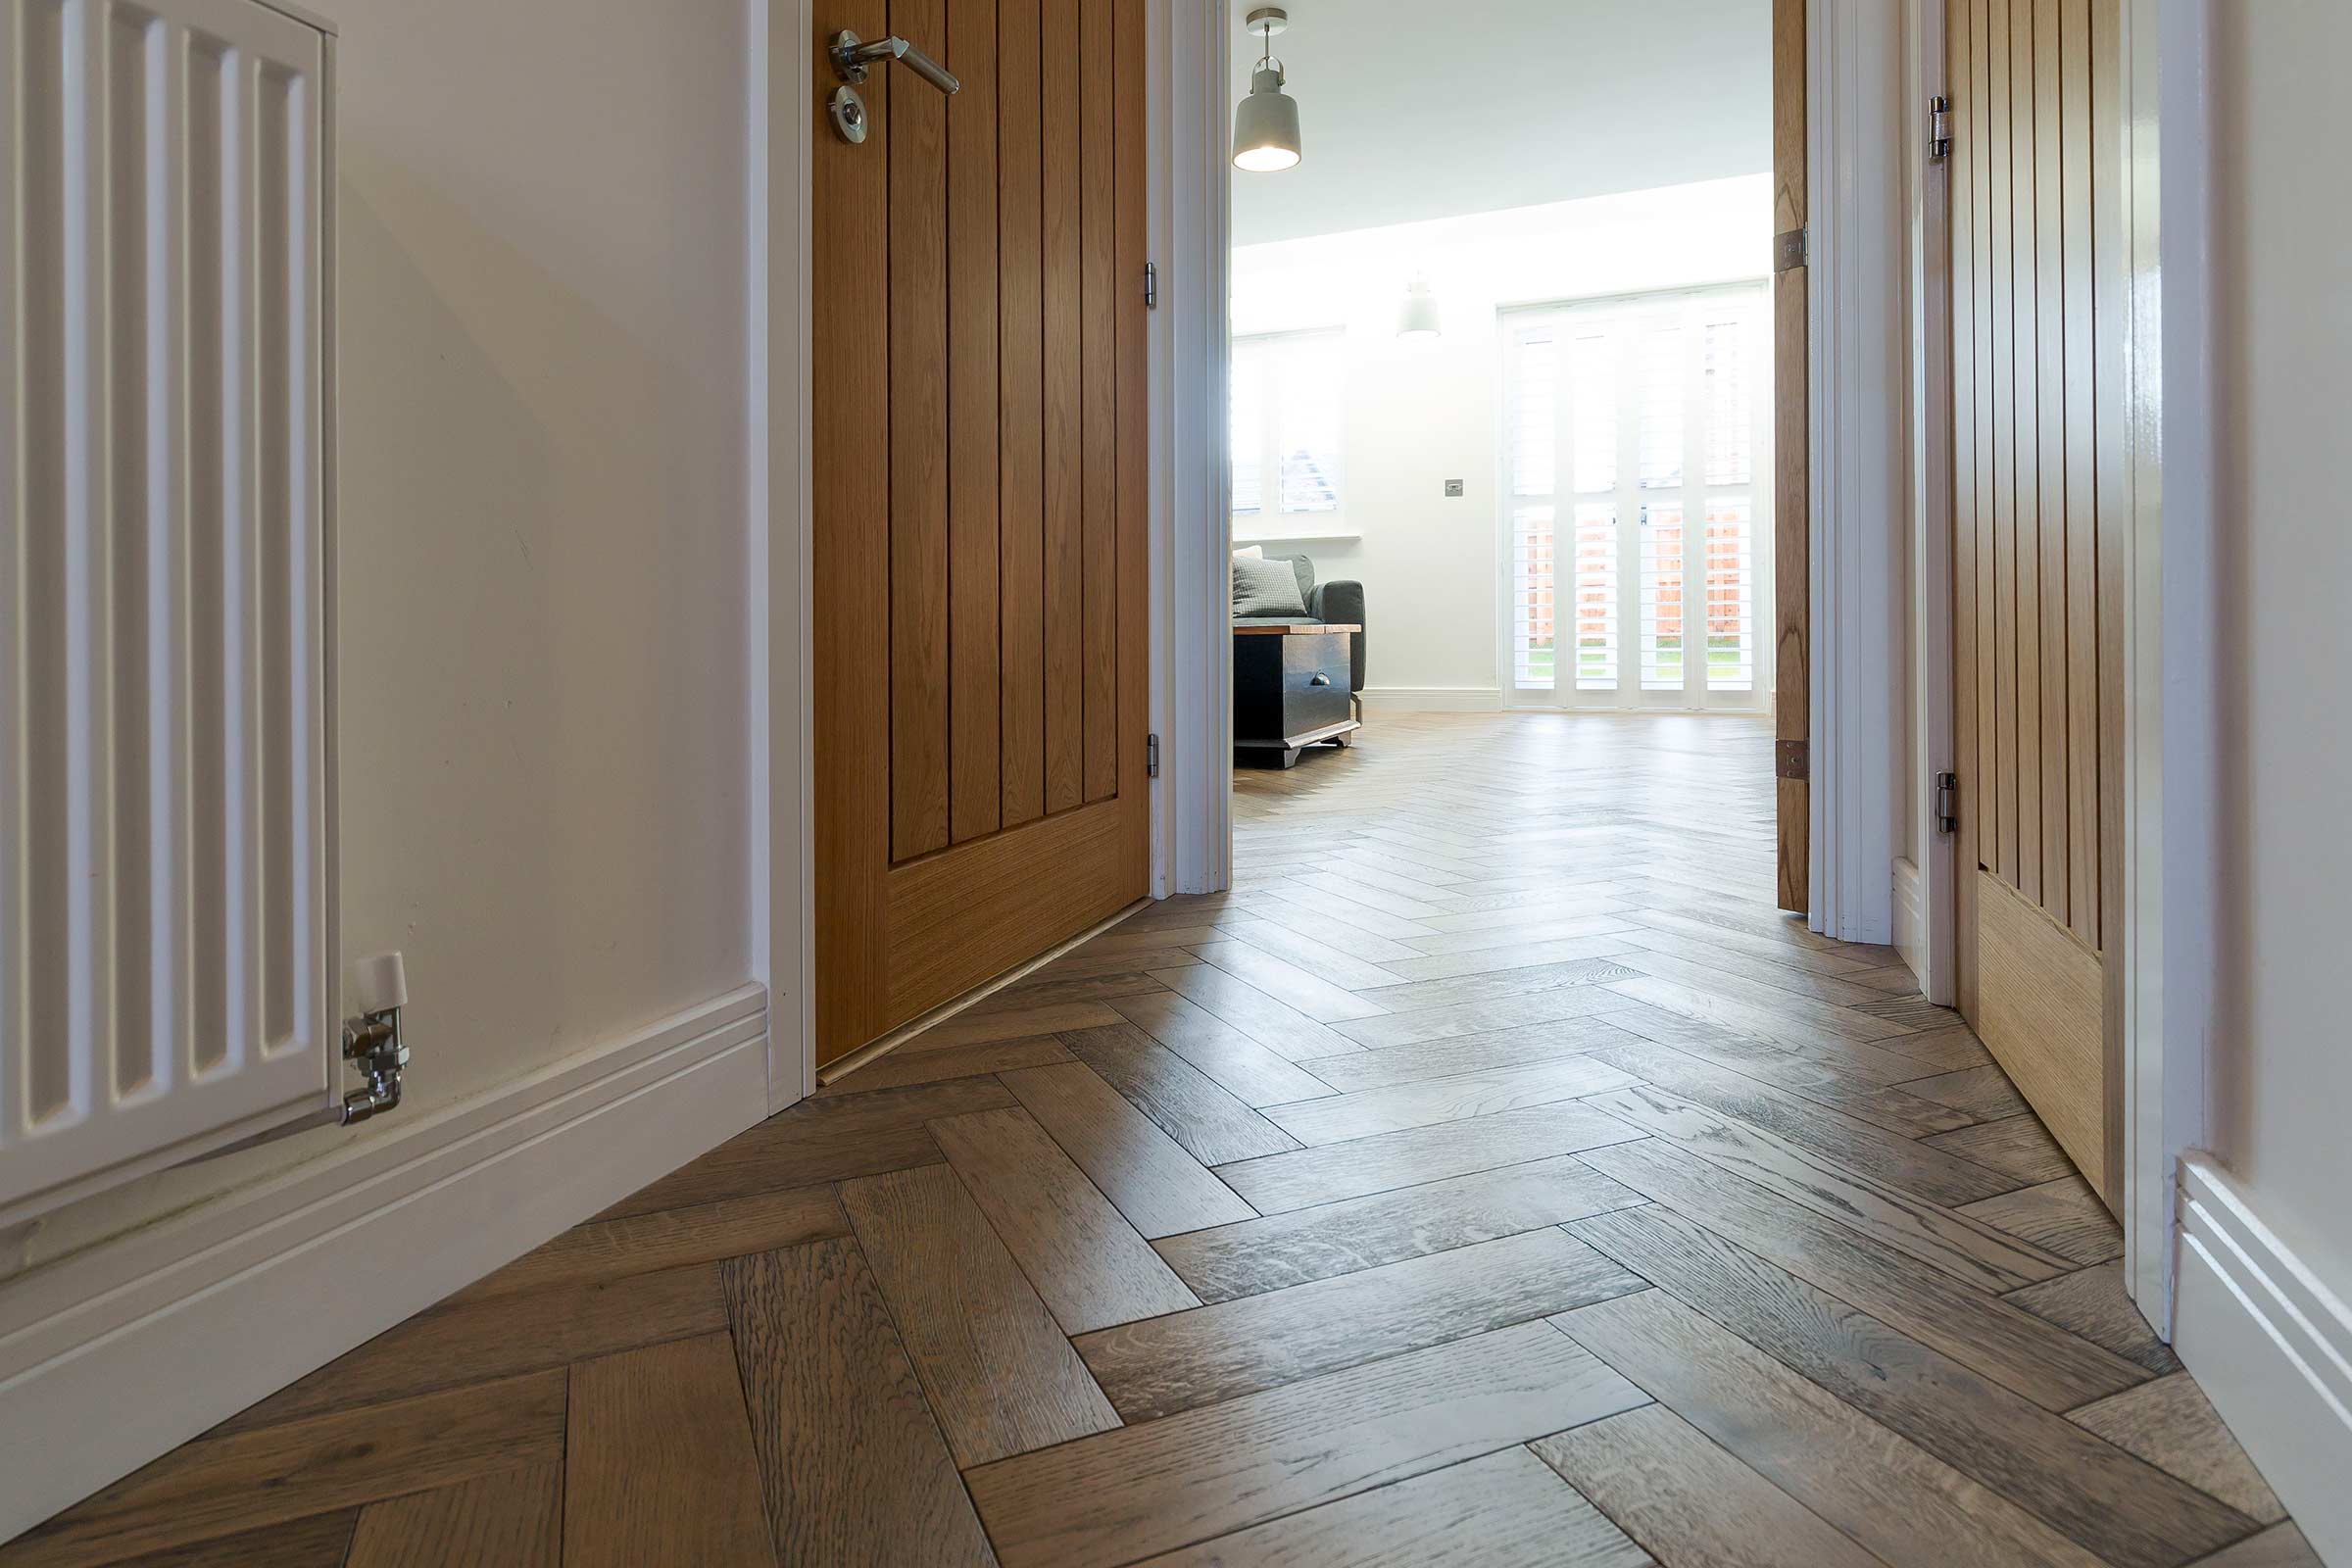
x: 1287, y: 392
x: 1633, y: 499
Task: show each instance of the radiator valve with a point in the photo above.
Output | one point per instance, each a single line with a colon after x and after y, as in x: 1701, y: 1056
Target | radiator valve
x: 371, y: 1038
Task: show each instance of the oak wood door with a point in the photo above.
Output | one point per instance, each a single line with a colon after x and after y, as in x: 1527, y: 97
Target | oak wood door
x: 1791, y: 509
x: 2038, y: 324
x: 978, y: 492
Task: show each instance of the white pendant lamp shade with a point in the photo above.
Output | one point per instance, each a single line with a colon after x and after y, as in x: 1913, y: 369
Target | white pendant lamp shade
x: 1265, y: 125
x: 1417, y: 312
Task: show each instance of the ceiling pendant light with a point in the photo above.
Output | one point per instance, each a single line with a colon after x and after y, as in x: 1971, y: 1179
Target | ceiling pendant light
x: 1417, y: 312
x: 1265, y: 124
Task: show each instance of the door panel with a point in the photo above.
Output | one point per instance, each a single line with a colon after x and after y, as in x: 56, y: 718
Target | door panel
x: 978, y: 515
x: 2037, y: 331
x: 1791, y: 535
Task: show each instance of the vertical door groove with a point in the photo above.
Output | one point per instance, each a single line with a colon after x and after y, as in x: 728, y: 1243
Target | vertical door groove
x: 1098, y: 595
x: 1021, y: 407
x: 1064, y: 456
x: 919, y: 456
x: 975, y: 623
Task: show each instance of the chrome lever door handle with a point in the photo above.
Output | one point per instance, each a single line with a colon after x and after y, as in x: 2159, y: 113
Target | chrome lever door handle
x: 851, y: 56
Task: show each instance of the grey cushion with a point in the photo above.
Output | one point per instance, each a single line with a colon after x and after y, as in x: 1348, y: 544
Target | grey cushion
x: 1266, y: 589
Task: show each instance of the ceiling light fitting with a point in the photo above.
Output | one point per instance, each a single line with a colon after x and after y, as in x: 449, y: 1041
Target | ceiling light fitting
x: 1265, y: 124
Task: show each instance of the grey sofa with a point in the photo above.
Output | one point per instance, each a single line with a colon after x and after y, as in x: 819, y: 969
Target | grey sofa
x: 1338, y: 602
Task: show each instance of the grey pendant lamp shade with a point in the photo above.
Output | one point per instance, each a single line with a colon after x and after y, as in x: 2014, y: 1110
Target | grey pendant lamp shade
x: 1265, y: 124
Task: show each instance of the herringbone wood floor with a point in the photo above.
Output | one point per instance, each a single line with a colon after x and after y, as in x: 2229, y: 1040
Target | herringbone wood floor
x: 1491, y: 1178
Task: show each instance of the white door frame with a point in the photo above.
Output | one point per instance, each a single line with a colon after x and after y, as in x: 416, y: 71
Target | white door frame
x: 780, y: 799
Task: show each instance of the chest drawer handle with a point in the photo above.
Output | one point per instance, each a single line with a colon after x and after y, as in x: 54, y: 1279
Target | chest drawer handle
x: 1319, y: 679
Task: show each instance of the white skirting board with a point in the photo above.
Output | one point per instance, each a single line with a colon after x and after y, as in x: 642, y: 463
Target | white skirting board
x: 1431, y: 699
x: 1911, y: 919
x: 113, y: 1356
x: 2271, y: 1347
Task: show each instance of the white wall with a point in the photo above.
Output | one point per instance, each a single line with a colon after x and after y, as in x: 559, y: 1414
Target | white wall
x: 1421, y: 412
x: 543, y: 767
x: 2282, y: 329
x: 1409, y: 111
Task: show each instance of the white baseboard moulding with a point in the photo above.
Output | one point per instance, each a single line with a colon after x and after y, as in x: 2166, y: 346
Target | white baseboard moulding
x: 2272, y: 1346
x: 1433, y: 699
x: 113, y: 1356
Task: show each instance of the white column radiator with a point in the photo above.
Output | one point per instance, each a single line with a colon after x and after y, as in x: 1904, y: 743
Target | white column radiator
x: 166, y: 850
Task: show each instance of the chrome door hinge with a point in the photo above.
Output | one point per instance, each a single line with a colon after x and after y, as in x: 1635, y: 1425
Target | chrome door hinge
x: 1940, y: 129
x: 1150, y: 285
x: 1789, y: 249
x: 1948, y: 803
x: 1152, y: 757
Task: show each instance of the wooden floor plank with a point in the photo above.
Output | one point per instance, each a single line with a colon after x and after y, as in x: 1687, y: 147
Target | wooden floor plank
x: 2063, y: 1216
x: 1272, y: 1023
x: 1984, y: 1093
x: 1592, y: 950
x: 1688, y: 1502
x: 1501, y: 982
x: 1885, y: 1493
x: 1843, y: 1076
x: 2006, y: 1344
x: 1506, y: 1510
x: 1209, y: 1472
x: 1695, y: 988
x: 1479, y: 1017
x: 658, y: 1464
x: 1555, y: 928
x: 1237, y: 1063
x: 227, y: 1485
x: 647, y: 1244
x: 2171, y: 1424
x: 466, y: 1341
x: 1309, y: 994
x: 1091, y: 1267
x: 2280, y: 1546
x: 819, y: 1141
x: 852, y: 1462
x: 1376, y: 1164
x: 1312, y: 1244
x: 2119, y: 1506
x: 994, y: 1365
x: 1391, y: 1065
x: 1159, y: 1188
x: 2092, y: 1303
x: 1352, y: 968
x: 1186, y: 1359
x: 322, y: 1540
x: 1212, y: 1125
x: 1889, y: 1158
x: 1023, y: 1023
x: 899, y: 1068
x: 513, y: 1517
x: 1370, y: 1112
x: 1966, y: 1249
x: 2019, y: 1149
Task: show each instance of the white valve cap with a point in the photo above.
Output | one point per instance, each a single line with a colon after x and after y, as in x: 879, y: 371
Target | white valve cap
x: 380, y: 984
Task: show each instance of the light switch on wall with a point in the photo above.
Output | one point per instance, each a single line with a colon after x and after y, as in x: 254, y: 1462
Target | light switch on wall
x: 1453, y: 487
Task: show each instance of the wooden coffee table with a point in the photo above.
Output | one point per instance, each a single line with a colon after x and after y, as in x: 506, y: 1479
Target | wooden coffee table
x: 1290, y: 689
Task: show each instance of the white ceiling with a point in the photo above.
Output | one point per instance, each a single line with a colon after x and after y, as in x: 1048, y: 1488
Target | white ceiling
x: 1409, y: 110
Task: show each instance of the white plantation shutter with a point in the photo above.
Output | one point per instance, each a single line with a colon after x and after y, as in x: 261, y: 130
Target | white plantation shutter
x: 1248, y: 433
x: 1662, y: 597
x: 1289, y: 418
x: 1633, y: 436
